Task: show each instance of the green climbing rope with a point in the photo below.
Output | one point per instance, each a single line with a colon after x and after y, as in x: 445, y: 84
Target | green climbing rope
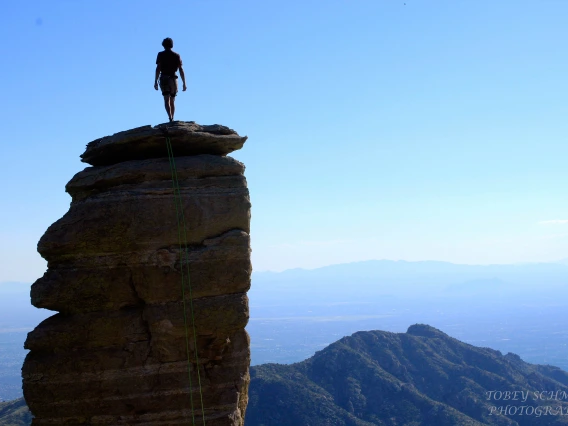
x: 184, y: 249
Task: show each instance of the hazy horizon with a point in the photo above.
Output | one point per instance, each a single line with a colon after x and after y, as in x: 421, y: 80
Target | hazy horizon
x: 294, y: 313
x: 558, y: 261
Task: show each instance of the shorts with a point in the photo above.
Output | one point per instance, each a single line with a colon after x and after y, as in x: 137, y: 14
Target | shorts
x: 168, y: 85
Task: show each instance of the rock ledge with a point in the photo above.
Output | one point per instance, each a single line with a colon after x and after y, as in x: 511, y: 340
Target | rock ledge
x: 140, y: 143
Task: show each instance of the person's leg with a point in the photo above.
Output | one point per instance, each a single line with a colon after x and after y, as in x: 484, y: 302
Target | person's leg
x: 173, y: 92
x: 172, y: 107
x: 166, y: 93
x: 167, y: 98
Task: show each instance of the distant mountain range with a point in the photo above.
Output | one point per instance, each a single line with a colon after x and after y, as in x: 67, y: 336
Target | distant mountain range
x: 520, y: 308
x: 382, y: 278
x: 442, y: 282
x: 421, y: 377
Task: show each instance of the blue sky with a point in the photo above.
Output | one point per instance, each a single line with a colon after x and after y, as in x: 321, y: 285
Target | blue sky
x: 434, y: 130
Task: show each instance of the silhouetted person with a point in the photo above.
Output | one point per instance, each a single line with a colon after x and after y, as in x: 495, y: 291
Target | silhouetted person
x: 167, y: 63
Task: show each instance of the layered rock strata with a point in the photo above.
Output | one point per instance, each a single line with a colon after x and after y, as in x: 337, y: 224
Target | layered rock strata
x: 115, y: 353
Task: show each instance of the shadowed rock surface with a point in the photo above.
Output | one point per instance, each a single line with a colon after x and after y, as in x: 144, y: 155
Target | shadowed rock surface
x: 115, y: 353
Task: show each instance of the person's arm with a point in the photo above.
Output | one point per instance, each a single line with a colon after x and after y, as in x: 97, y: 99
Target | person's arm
x: 156, y: 76
x: 182, y: 74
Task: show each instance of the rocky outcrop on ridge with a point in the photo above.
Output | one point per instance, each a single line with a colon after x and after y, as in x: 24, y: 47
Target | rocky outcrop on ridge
x: 115, y: 353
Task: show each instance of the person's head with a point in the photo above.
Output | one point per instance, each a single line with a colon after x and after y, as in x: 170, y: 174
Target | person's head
x: 168, y: 43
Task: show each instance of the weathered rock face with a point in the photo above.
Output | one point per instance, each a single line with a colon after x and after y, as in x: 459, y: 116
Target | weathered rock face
x: 115, y: 353
x: 144, y: 142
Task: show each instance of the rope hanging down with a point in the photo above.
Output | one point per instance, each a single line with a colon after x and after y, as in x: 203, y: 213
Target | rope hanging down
x: 184, y: 258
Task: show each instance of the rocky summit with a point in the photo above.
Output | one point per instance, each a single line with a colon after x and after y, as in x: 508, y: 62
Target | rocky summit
x: 116, y: 352
x: 187, y: 138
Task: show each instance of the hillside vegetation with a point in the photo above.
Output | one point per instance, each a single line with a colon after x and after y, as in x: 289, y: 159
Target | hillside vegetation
x: 421, y: 377
x: 15, y: 413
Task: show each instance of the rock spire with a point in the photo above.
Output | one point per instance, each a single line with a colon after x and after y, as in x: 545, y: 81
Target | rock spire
x: 115, y: 353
